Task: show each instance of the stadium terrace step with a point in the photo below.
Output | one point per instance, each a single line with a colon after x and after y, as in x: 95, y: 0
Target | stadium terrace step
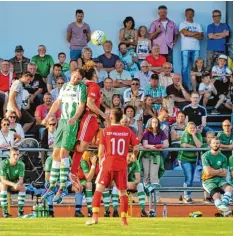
x: 212, y: 124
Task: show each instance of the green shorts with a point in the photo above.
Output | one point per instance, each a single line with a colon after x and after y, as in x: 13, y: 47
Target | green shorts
x: 66, y: 134
x: 213, y: 183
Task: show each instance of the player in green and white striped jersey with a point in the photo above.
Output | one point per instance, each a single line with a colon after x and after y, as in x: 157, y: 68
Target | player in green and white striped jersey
x: 72, y: 99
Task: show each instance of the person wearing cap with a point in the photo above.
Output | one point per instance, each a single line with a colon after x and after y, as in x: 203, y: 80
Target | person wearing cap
x: 165, y: 77
x: 163, y: 32
x: 217, y: 33
x: 19, y: 62
x: 44, y: 61
x: 156, y: 91
x: 102, y: 74
x: 144, y: 74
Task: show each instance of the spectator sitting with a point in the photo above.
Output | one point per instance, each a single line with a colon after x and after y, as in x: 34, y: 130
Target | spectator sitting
x: 55, y: 92
x: 52, y: 77
x: 19, y: 62
x: 156, y: 91
x: 144, y: 74
x: 108, y: 91
x: 73, y: 67
x: 209, y: 136
x: 168, y: 104
x: 148, y: 111
x: 156, y: 60
x: 197, y: 114
x: 177, y: 92
x: 116, y: 101
x: 190, y: 139
x: 163, y: 118
x: 229, y: 98
x: 128, y: 34
x: 102, y: 74
x: 62, y: 62
x: 44, y: 61
x: 16, y: 98
x: 108, y: 59
x: 129, y: 58
x: 122, y: 78
x: 197, y: 72
x: 143, y: 44
x: 86, y: 55
x: 125, y: 122
x: 165, y: 77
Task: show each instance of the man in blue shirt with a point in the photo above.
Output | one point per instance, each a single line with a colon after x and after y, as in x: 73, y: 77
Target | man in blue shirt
x: 217, y: 35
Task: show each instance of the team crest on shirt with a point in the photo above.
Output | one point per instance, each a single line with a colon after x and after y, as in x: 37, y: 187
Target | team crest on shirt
x: 16, y: 171
x: 219, y: 163
x: 199, y: 113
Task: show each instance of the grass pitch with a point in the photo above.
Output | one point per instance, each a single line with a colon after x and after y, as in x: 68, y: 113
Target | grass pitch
x: 111, y: 227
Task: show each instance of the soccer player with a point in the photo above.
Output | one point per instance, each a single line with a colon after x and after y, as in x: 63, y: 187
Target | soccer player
x: 12, y: 179
x: 89, y: 123
x: 230, y: 165
x: 214, y: 176
x: 114, y: 144
x: 72, y: 98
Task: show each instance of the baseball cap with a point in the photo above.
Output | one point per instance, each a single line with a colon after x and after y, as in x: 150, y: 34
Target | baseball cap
x: 19, y: 48
x: 223, y: 57
x: 154, y: 76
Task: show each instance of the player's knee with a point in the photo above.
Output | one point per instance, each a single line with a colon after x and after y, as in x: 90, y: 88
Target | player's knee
x: 215, y: 192
x: 100, y: 188
x: 140, y: 187
x: 88, y: 185
x: 228, y: 189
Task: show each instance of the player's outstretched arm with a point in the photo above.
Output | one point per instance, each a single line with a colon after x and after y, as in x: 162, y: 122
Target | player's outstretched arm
x: 79, y: 111
x: 52, y: 110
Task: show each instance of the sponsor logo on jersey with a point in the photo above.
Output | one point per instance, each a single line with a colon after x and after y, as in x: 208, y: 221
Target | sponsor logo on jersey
x: 117, y: 133
x: 219, y: 163
x: 93, y: 94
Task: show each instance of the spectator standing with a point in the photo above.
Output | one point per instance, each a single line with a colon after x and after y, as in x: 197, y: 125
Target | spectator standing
x: 128, y: 34
x: 86, y: 55
x: 217, y: 37
x: 191, y: 33
x: 78, y: 35
x: 108, y: 59
x: 62, y: 61
x: 19, y: 62
x: 55, y: 92
x: 163, y: 32
x: 165, y: 77
x: 156, y: 60
x: 44, y: 61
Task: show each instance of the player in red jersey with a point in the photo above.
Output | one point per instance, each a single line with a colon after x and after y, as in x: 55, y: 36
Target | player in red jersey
x: 89, y: 124
x: 114, y: 144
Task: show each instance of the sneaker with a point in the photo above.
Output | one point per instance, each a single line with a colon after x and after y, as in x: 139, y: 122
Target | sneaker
x: 188, y: 200
x: 152, y: 213
x: 6, y: 215
x: 180, y: 200
x: 222, y: 207
x: 78, y: 214
x: 107, y: 214
x: 115, y: 213
x: 74, y: 180
x: 92, y: 221
x: 47, y: 194
x: 58, y: 198
x: 143, y: 213
x: 90, y: 213
x: 20, y: 214
x: 124, y: 222
x: 51, y: 214
x: 228, y: 213
x: 214, y: 112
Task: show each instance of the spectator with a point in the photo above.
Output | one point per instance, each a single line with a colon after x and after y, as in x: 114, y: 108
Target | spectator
x: 19, y: 62
x: 196, y: 73
x: 78, y: 35
x: 169, y: 106
x: 102, y: 74
x: 129, y: 58
x: 42, y: 110
x: 122, y: 78
x: 108, y: 59
x: 155, y: 60
x: 177, y: 92
x: 190, y: 139
x: 148, y: 111
x: 197, y: 114
x: 16, y: 98
x: 44, y: 61
x: 86, y: 55
x: 143, y: 44
x: 128, y: 34
x: 163, y: 32
x: 62, y: 62
x: 116, y: 101
x: 73, y: 67
x: 52, y: 77
x: 165, y: 77
x: 129, y: 111
x: 229, y: 98
x: 36, y: 87
x: 163, y: 118
x: 108, y: 91
x: 144, y: 74
x: 55, y: 92
x: 156, y: 91
x: 191, y: 32
x: 217, y: 37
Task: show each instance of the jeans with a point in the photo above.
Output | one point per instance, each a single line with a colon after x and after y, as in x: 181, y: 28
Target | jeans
x: 187, y: 57
x: 75, y: 54
x: 188, y: 169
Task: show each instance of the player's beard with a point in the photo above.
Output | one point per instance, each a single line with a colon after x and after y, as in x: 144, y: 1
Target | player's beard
x: 216, y: 149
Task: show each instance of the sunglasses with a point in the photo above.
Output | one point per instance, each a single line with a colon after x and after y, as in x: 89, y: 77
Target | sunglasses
x: 135, y: 84
x: 13, y: 117
x: 60, y: 83
x: 52, y: 124
x: 6, y: 124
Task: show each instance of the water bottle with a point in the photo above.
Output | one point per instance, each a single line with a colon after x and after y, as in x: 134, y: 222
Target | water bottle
x: 165, y: 210
x: 36, y: 210
x: 40, y: 210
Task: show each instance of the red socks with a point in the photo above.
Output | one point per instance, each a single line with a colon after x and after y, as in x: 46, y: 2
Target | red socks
x: 97, y: 197
x: 76, y: 162
x: 124, y: 206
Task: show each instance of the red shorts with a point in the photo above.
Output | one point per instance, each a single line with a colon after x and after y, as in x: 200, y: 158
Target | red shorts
x: 105, y: 177
x: 88, y: 128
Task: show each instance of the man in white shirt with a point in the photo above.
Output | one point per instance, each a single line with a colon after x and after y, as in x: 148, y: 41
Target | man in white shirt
x: 165, y: 77
x: 191, y: 32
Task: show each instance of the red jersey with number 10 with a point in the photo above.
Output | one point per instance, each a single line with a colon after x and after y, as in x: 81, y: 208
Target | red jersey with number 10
x: 117, y: 140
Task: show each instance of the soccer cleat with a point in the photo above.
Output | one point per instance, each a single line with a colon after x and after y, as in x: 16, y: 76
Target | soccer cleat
x: 143, y: 213
x: 6, y: 215
x: 47, y: 194
x: 115, y: 213
x: 227, y: 213
x: 92, y: 221
x: 107, y: 214
x: 222, y: 207
x: 124, y: 222
x: 51, y: 214
x: 58, y: 198
x: 78, y: 214
x: 90, y: 213
x: 188, y: 200
x: 20, y: 214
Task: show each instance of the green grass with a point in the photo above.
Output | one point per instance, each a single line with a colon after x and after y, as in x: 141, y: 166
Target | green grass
x: 111, y: 227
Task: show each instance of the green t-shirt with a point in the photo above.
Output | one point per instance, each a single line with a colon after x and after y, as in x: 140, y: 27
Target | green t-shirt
x: 43, y: 64
x: 230, y: 163
x: 224, y: 139
x: 185, y: 155
x: 133, y: 168
x: 71, y: 96
x: 12, y: 173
